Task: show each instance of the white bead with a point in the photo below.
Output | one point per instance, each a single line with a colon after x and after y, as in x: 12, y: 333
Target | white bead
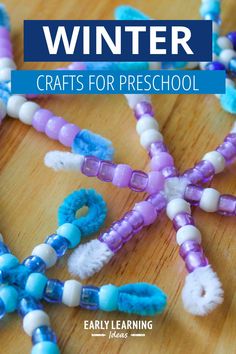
x: 224, y: 43
x: 209, y: 200
x: 215, y: 27
x: 188, y: 232
x: 203, y: 64
x: 154, y: 65
x: 216, y: 159
x: 226, y: 55
x: 14, y: 104
x: 150, y: 136
x: 233, y: 130
x: 71, y: 293
x: 5, y: 74
x: 134, y: 99
x: 7, y: 63
x: 145, y: 123
x: 229, y: 82
x: 176, y: 206
x: 27, y: 112
x: 35, y: 319
x: 1, y: 237
x: 3, y: 110
x: 47, y: 253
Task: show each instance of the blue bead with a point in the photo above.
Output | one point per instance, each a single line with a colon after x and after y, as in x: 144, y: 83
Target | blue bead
x: 213, y: 17
x: 125, y: 12
x: 4, y: 17
x: 53, y: 290
x: 59, y: 243
x: 45, y: 348
x: 9, y: 296
x: 27, y: 304
x: 19, y: 275
x: 2, y: 309
x: 3, y: 248
x: 210, y: 7
x: 4, y: 277
x: 108, y: 297
x: 8, y: 261
x: 35, y: 264
x: 132, y: 65
x: 232, y: 65
x: 43, y: 334
x: 35, y: 285
x: 71, y: 233
x: 89, y: 297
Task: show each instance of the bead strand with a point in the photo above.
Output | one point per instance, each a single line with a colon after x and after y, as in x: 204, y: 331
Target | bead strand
x: 213, y: 162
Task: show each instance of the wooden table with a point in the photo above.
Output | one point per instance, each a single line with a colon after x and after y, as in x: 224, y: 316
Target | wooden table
x: 31, y: 193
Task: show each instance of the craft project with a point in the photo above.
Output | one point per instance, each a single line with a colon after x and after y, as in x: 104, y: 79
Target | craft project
x: 168, y: 189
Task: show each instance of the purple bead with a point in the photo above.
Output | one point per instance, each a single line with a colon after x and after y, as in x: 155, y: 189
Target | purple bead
x: 122, y: 175
x: 5, y: 53
x: 231, y: 138
x: 189, y: 246
x: 112, y: 239
x: 181, y: 220
x: 4, y: 33
x: 142, y: 108
x: 135, y: 219
x: 67, y: 134
x: 90, y: 166
x: 193, y: 175
x: 40, y: 119
x: 54, y: 126
x: 5, y: 44
x: 156, y: 148
x: 158, y: 201
x: 228, y: 151
x: 227, y: 205
x: 124, y: 229
x: 138, y: 181
x: 232, y: 38
x: 156, y: 182
x: 195, y: 260
x: 148, y: 212
x: 207, y: 169
x: 169, y: 171
x: 160, y: 161
x: 215, y: 65
x: 106, y: 171
x: 77, y: 66
x: 193, y: 194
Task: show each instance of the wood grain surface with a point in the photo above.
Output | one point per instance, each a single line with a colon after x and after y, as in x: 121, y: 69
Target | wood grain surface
x: 31, y: 193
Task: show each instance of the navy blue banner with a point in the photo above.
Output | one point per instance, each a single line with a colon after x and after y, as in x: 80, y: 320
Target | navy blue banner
x: 126, y: 41
x: 117, y: 82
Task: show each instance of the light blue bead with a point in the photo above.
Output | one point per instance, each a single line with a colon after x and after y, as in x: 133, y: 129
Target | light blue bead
x: 8, y: 261
x: 108, y: 298
x: 45, y: 348
x: 210, y: 7
x: 215, y: 47
x: 35, y: 285
x: 228, y: 100
x: 132, y: 65
x: 9, y: 296
x: 4, y: 17
x: 71, y: 233
x: 180, y: 64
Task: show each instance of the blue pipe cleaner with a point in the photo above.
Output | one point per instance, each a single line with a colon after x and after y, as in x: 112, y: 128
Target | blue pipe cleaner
x: 141, y: 299
x: 95, y: 217
x: 125, y: 12
x: 90, y: 144
x: 4, y: 17
x: 228, y: 100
